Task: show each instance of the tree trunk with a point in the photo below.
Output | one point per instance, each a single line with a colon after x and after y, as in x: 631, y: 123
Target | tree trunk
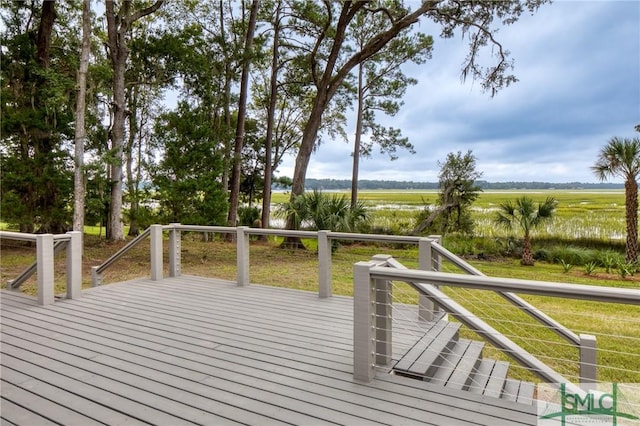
x: 271, y: 113
x: 118, y: 27
x: 527, y: 253
x: 117, y: 140
x: 80, y: 131
x: 631, y: 211
x: 45, y: 29
x: 132, y: 181
x: 226, y: 101
x: 242, y: 112
x: 358, y: 136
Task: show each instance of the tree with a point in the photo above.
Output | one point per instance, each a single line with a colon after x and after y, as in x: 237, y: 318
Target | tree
x: 457, y: 192
x: 187, y: 178
x: 119, y: 26
x: 326, y: 25
x: 380, y: 85
x: 234, y: 195
x: 621, y: 157
x: 271, y: 114
x: 39, y: 57
x: 526, y: 215
x: 80, y: 128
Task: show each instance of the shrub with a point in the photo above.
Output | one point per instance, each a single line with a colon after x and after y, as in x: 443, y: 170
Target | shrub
x: 626, y: 268
x: 590, y: 268
x: 609, y: 260
x: 248, y: 216
x: 542, y: 255
x: 566, y: 267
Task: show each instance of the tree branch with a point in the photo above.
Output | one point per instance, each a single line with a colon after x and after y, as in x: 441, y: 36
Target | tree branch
x: 146, y: 11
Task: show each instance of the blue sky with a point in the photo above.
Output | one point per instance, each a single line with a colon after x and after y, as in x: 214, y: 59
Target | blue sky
x: 578, y: 65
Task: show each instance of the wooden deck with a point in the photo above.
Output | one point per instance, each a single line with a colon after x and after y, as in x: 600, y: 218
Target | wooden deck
x: 192, y: 350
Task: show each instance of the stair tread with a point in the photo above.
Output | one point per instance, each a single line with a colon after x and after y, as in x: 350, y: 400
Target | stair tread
x: 481, y: 376
x: 426, y: 353
x: 496, y: 379
x: 464, y: 370
x: 525, y: 393
x: 510, y: 390
x: 450, y: 362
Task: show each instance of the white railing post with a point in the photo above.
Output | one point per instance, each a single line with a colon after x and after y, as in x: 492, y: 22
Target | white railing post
x: 96, y: 278
x: 74, y: 265
x: 363, y: 323
x: 588, y: 359
x: 175, y: 251
x: 44, y: 257
x: 242, y: 256
x: 156, y: 252
x: 324, y: 264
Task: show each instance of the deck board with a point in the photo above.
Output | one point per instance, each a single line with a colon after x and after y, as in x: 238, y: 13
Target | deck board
x: 192, y: 350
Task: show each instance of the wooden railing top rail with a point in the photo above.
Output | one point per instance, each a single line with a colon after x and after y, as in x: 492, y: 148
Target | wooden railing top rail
x: 400, y: 239
x: 23, y: 236
x: 540, y: 288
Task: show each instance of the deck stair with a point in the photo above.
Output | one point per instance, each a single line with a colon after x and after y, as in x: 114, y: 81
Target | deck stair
x: 441, y: 357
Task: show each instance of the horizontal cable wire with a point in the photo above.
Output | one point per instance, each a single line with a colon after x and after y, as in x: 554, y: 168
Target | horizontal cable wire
x: 517, y: 329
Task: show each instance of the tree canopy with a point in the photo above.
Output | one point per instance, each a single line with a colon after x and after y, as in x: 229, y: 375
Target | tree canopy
x: 162, y: 130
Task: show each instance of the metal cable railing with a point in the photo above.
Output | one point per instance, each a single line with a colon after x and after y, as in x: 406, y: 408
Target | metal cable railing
x: 619, y: 353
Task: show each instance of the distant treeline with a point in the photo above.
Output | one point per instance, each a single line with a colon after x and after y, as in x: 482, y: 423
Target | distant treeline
x: 340, y: 184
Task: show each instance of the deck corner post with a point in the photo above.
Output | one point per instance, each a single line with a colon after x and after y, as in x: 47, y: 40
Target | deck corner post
x: 242, y: 255
x: 96, y: 277
x: 156, y: 252
x: 363, y: 323
x: 175, y: 250
x: 44, y: 257
x: 588, y: 359
x: 324, y: 264
x: 74, y: 265
x: 426, y: 308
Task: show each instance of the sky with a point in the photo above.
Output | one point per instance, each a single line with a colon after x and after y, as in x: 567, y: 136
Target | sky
x: 578, y: 66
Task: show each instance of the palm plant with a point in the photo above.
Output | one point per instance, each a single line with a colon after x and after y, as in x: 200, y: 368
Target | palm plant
x: 322, y: 211
x: 525, y: 214
x: 621, y: 157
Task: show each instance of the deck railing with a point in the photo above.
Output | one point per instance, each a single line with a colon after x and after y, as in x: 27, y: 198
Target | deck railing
x: 96, y: 271
x: 242, y: 237
x: 47, y: 245
x: 372, y: 313
x: 431, y: 257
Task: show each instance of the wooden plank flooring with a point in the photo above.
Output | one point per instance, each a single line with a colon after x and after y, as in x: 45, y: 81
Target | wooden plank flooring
x: 191, y: 350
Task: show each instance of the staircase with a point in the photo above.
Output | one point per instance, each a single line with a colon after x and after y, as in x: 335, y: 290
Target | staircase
x: 440, y: 357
